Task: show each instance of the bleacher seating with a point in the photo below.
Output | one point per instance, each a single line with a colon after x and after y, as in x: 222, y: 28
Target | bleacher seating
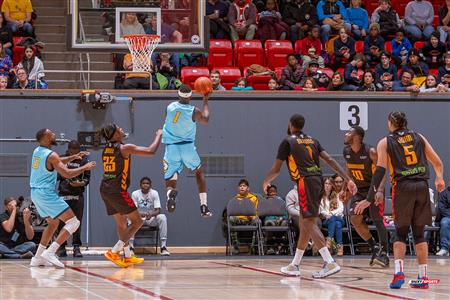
x: 190, y: 74
x: 220, y: 54
x: 228, y: 76
x: 248, y: 52
x: 276, y: 51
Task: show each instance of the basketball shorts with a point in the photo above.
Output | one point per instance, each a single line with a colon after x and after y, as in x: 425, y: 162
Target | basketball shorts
x: 310, y: 190
x: 373, y: 212
x: 48, y: 203
x: 177, y: 155
x: 118, y: 202
x: 411, y: 203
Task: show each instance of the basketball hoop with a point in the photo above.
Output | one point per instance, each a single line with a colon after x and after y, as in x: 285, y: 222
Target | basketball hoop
x: 141, y: 48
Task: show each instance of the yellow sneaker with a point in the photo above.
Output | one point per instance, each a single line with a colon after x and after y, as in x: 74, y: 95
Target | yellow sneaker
x: 133, y: 260
x: 115, y: 258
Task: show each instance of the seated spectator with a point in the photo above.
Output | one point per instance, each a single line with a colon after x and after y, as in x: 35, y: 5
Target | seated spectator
x: 434, y: 50
x: 444, y: 22
x: 373, y: 44
x: 387, y: 18
x: 136, y: 80
x: 241, y: 85
x: 3, y: 82
x: 22, y: 81
x: 313, y: 55
x: 301, y: 16
x: 242, y: 19
x: 6, y: 36
x: 337, y: 83
x: 32, y: 64
x: 419, y: 15
x: 400, y: 48
x: 322, y: 80
x: 243, y: 193
x: 130, y: 24
x: 18, y: 15
x: 385, y: 72
x: 359, y: 19
x: 292, y: 74
x: 354, y: 70
x: 443, y: 212
x: 270, y: 25
x: 310, y: 85
x: 168, y: 33
x: 369, y: 84
x: 333, y: 16
x: 188, y: 59
x: 419, y: 68
x: 338, y: 183
x: 273, y: 85
x: 5, y: 62
x: 444, y: 70
x: 405, y: 83
x: 331, y: 212
x: 16, y: 235
x: 312, y: 41
x: 344, y: 48
x: 216, y: 11
x: 293, y: 207
x: 148, y: 204
x: 215, y: 78
x: 166, y: 72
x: 432, y: 86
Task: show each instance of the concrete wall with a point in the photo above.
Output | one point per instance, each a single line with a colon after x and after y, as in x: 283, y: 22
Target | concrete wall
x: 251, y: 125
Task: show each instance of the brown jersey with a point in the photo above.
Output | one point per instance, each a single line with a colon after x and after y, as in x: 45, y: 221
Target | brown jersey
x: 301, y: 153
x: 116, y: 177
x: 360, y: 165
x: 406, y: 156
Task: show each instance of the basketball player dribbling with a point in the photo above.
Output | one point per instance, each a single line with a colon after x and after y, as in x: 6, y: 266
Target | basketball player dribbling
x: 44, y: 168
x: 113, y: 189
x: 406, y: 153
x: 302, y: 154
x: 179, y: 132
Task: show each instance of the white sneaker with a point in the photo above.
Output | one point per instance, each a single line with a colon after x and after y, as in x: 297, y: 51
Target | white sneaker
x: 52, y: 258
x: 442, y: 252
x: 164, y: 251
x: 39, y: 262
x: 327, y: 270
x: 290, y: 270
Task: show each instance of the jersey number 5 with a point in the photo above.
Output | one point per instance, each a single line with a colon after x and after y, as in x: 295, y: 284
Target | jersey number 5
x: 410, y: 155
x: 109, y: 164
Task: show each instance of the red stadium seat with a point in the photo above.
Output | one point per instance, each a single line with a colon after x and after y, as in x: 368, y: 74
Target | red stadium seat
x: 276, y: 52
x: 400, y: 6
x: 340, y: 70
x: 419, y: 45
x: 258, y: 82
x: 359, y: 46
x: 327, y: 71
x: 228, y: 76
x: 435, y: 20
x: 298, y: 46
x: 220, y: 54
x: 278, y: 72
x: 370, y: 6
x: 388, y: 46
x: 248, y: 52
x: 17, y: 50
x: 434, y: 72
x: 190, y: 74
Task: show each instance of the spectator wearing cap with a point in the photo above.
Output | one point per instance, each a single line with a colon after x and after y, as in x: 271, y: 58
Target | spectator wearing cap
x: 434, y: 50
x: 444, y: 22
x: 242, y: 19
x: 313, y: 55
x: 373, y: 44
x: 301, y: 16
x: 359, y: 19
x: 400, y: 48
x: 419, y: 15
x: 292, y: 74
x: 333, y: 16
x: 215, y: 78
x: 386, y: 72
x: 418, y: 67
x: 387, y: 18
x: 444, y: 70
x: 405, y: 83
x: 313, y: 71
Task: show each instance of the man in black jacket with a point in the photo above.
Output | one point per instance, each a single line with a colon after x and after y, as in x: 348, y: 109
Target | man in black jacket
x: 72, y: 190
x: 301, y: 16
x: 444, y: 215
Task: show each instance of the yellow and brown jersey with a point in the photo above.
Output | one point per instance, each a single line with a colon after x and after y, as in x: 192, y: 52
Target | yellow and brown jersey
x: 302, y: 155
x: 116, y: 177
x: 360, y: 166
x: 406, y: 156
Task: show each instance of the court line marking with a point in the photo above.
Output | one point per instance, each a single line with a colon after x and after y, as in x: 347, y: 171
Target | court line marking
x: 314, y: 280
x: 121, y: 283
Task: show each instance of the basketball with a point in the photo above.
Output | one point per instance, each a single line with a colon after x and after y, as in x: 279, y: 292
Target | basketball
x: 203, y: 85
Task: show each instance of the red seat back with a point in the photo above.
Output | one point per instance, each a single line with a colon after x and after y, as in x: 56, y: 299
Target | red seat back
x: 258, y: 82
x: 419, y: 45
x: 278, y: 72
x: 228, y: 76
x: 298, y: 46
x: 276, y: 52
x: 220, y: 54
x: 190, y: 74
x: 388, y: 46
x: 359, y: 46
x: 248, y: 52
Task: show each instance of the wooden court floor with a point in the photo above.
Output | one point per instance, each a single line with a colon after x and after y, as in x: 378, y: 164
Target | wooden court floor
x: 219, y: 278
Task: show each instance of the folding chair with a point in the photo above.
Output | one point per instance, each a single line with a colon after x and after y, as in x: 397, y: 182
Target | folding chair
x: 246, y: 208
x: 348, y: 229
x: 274, y: 207
x: 147, y: 236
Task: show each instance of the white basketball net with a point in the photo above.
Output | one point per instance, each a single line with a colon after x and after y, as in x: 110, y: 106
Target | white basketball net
x: 141, y: 48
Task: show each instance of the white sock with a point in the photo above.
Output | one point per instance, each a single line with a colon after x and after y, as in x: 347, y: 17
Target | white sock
x: 118, y: 247
x: 127, y: 251
x: 298, y: 257
x: 53, y: 247
x: 422, y: 271
x: 203, y: 200
x: 41, y: 248
x: 326, y: 255
x: 398, y: 266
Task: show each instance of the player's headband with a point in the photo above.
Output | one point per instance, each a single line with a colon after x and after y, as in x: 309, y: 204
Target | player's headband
x: 109, y: 131
x: 185, y: 95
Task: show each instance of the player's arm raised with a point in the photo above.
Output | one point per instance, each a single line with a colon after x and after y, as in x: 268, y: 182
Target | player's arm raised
x: 131, y: 149
x: 338, y: 169
x: 436, y: 162
x: 56, y: 163
x: 202, y: 116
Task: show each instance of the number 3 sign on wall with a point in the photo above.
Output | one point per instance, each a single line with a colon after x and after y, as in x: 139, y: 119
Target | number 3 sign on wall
x: 352, y: 114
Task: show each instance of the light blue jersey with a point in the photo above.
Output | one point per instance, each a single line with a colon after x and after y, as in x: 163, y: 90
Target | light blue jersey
x: 179, y: 126
x: 41, y: 177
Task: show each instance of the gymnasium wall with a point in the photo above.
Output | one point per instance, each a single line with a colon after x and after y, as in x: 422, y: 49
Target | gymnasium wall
x: 250, y: 124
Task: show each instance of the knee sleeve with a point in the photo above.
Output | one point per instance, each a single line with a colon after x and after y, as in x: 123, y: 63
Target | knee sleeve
x: 402, y: 234
x: 72, y: 225
x: 418, y: 234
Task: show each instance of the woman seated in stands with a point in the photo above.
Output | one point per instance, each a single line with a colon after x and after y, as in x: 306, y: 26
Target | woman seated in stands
x: 434, y: 50
x: 130, y: 25
x: 273, y: 85
x: 337, y: 83
x: 444, y: 70
x: 359, y: 19
x: 344, y: 48
x: 369, y: 84
x: 331, y: 212
x: 431, y: 85
x: 271, y: 26
x: 5, y: 62
x: 241, y: 85
x: 32, y: 64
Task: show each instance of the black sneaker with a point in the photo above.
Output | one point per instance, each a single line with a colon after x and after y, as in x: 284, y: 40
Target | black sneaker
x: 77, y: 252
x: 375, y: 251
x: 204, y: 211
x: 171, y: 200
x: 61, y: 252
x: 381, y: 259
